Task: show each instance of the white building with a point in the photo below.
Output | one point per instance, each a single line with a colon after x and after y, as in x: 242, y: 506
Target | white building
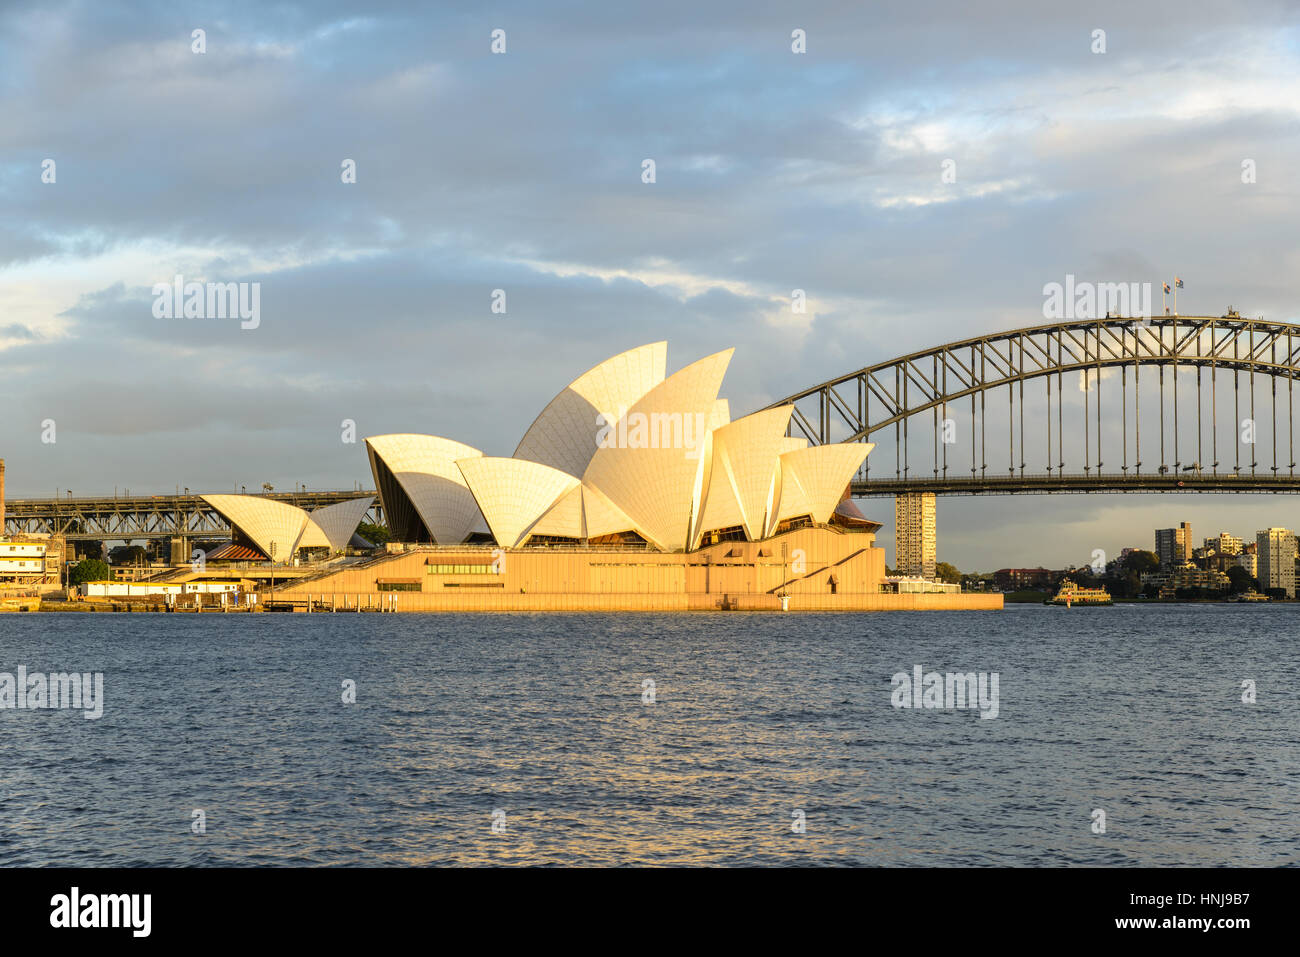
x: 1224, y: 544
x: 624, y: 455
x: 143, y: 589
x: 1276, y: 553
x: 905, y: 585
x: 1248, y: 561
x: 30, y: 561
x: 22, y: 559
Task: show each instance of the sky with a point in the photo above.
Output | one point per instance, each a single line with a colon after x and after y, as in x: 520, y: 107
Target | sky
x: 522, y: 171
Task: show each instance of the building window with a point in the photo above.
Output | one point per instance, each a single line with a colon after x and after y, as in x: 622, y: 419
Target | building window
x: 460, y: 569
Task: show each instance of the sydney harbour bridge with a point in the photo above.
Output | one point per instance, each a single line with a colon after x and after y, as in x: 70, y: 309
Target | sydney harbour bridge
x: 1160, y: 404
x: 1165, y: 404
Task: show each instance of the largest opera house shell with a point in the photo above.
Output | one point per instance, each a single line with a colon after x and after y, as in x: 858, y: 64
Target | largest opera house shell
x: 624, y: 454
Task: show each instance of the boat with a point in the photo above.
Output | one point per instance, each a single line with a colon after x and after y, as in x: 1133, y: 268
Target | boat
x: 1071, y: 594
x: 1252, y: 595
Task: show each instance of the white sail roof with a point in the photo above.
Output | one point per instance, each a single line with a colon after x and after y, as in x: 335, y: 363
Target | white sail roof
x: 621, y: 449
x: 583, y: 513
x: 601, y: 516
x: 564, y: 518
x: 651, y: 463
x: 513, y: 493
x: 425, y: 468
x: 814, y: 479
x: 338, y: 522
x: 564, y: 435
x: 721, y: 414
x: 744, y: 482
x: 274, y: 527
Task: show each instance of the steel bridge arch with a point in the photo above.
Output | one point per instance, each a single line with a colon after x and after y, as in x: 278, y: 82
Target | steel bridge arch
x: 890, y: 393
x: 1164, y: 340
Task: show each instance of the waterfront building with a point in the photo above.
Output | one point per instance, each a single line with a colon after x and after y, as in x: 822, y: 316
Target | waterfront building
x: 30, y: 562
x: 1020, y: 579
x: 151, y: 589
x: 632, y: 489
x: 623, y: 456
x: 914, y: 534
x: 906, y: 584
x: 1187, y: 576
x: 1248, y: 559
x: 1224, y: 544
x: 1276, y: 554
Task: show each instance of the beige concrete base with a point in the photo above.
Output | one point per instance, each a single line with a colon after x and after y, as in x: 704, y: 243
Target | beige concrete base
x: 645, y: 603
x: 819, y: 568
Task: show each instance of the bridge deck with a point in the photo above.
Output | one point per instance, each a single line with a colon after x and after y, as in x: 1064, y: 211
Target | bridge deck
x: 140, y: 517
x: 1054, y: 483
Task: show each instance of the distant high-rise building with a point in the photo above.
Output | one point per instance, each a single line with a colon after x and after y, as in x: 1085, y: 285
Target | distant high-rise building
x: 1248, y: 560
x: 1174, y: 545
x: 914, y: 540
x: 1224, y: 544
x: 1166, y: 543
x: 1275, y: 554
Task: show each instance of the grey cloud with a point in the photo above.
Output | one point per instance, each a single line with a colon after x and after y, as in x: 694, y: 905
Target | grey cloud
x: 774, y: 172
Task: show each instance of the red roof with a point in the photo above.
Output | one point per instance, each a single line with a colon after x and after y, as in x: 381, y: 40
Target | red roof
x: 230, y: 552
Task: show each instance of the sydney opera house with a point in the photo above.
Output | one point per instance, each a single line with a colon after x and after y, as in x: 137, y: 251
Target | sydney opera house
x: 632, y: 489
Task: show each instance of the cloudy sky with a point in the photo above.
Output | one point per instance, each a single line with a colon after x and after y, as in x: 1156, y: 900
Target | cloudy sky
x: 522, y: 171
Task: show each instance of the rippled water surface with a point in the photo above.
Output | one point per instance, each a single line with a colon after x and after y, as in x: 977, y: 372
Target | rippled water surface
x: 1133, y: 710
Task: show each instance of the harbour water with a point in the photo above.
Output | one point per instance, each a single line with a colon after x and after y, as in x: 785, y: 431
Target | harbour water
x: 544, y: 726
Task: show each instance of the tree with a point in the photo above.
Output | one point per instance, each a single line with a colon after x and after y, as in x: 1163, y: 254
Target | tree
x: 127, y: 555
x: 375, y: 534
x: 947, y: 573
x: 90, y: 549
x: 90, y: 570
x: 1239, y: 580
x: 1142, y: 561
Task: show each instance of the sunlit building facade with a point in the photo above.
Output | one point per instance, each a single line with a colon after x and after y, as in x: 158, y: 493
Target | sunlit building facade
x: 1174, y: 546
x: 914, y: 534
x: 633, y: 489
x: 624, y: 455
x: 1275, y: 552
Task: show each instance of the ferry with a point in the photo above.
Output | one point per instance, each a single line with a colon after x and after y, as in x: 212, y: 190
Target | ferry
x: 1252, y: 595
x: 1072, y: 594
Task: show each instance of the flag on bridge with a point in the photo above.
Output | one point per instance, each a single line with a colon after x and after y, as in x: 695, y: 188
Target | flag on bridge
x: 1178, y: 282
x: 1167, y: 288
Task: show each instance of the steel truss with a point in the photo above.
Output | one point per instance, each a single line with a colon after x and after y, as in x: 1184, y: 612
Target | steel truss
x: 861, y: 405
